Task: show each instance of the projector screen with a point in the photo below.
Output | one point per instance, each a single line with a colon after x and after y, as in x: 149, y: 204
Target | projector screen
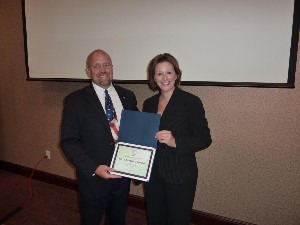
x: 217, y: 42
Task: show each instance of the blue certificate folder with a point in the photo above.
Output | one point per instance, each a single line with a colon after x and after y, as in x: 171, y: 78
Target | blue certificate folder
x: 134, y: 153
x: 139, y: 128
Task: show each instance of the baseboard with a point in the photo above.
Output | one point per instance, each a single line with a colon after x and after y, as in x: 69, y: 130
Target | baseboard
x: 198, y: 217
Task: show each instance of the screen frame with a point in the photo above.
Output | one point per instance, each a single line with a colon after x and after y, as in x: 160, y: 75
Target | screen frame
x: 290, y: 78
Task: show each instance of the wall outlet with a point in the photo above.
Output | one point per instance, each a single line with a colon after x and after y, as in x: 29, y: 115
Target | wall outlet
x: 48, y: 155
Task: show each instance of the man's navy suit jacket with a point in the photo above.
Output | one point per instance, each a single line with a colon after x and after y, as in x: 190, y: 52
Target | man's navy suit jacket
x: 86, y: 138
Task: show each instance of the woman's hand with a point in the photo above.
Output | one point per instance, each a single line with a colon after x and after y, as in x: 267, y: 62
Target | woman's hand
x: 166, y: 137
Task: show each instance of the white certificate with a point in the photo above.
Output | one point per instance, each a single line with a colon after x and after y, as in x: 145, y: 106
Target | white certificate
x: 133, y: 161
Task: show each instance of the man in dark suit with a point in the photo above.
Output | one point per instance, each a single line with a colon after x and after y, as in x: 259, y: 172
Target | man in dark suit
x: 88, y: 143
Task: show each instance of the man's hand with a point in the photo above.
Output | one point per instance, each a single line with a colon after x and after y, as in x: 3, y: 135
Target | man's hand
x: 103, y: 171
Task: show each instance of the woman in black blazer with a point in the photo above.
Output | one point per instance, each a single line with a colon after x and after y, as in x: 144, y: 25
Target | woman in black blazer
x: 183, y: 131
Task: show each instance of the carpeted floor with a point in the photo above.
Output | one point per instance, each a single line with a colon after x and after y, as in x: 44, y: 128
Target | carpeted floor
x: 50, y: 205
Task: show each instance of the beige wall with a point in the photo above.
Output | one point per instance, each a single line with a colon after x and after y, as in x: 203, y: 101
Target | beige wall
x: 251, y: 172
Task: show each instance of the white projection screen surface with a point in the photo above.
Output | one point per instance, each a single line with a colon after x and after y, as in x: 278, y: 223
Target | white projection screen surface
x: 233, y: 42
